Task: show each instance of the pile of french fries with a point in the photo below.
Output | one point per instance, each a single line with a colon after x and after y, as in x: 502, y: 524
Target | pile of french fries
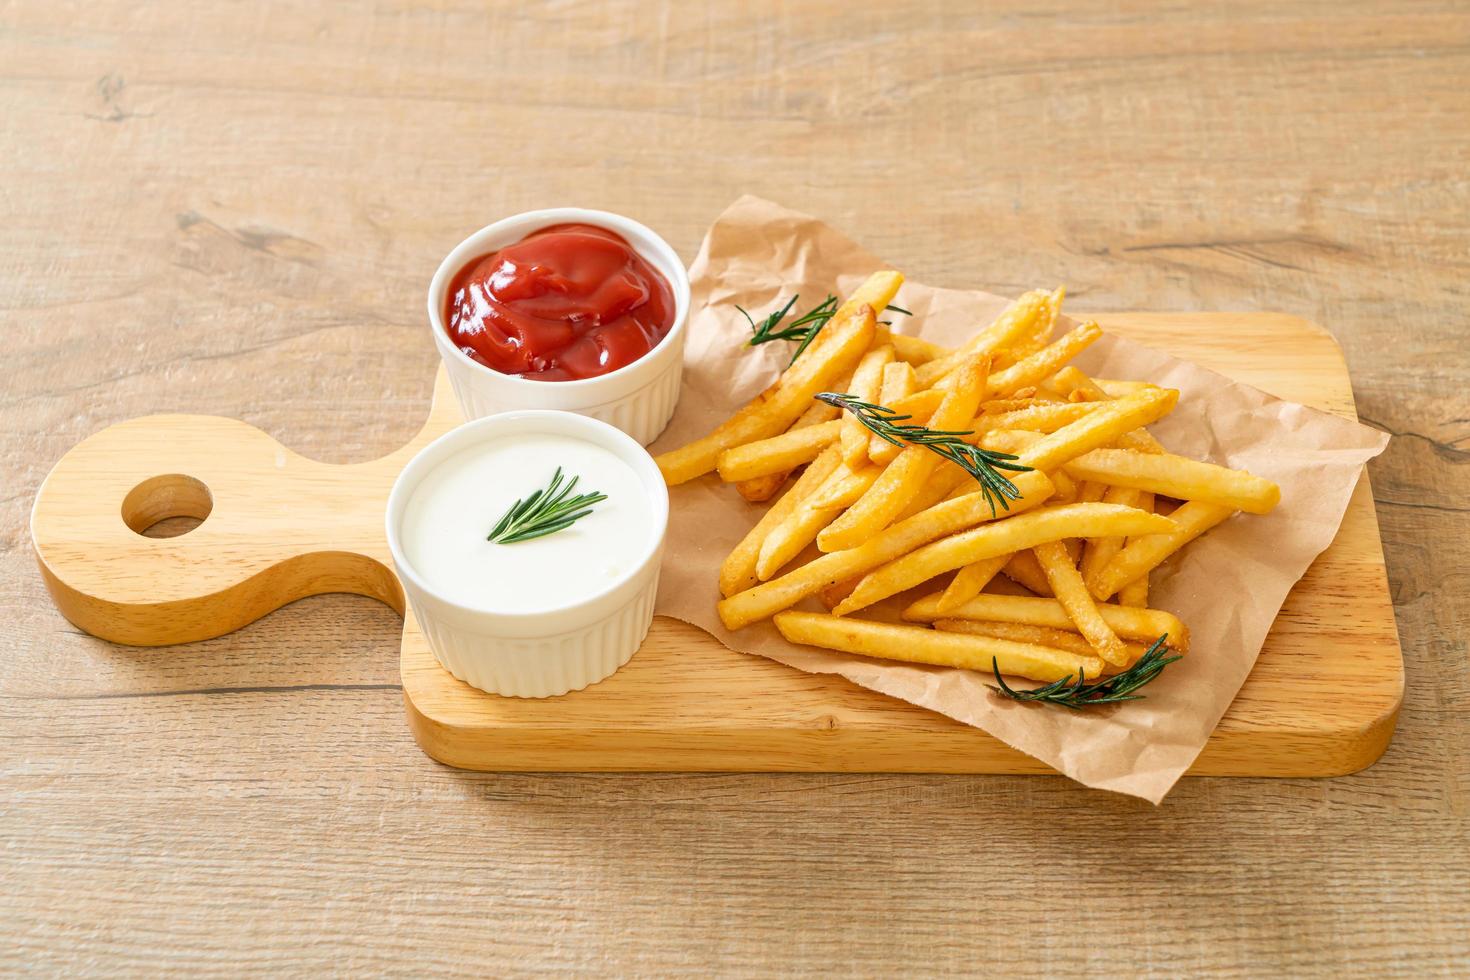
x: 1100, y: 506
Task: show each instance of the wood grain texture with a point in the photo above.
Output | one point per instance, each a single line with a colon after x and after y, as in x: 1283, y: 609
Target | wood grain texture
x: 234, y: 209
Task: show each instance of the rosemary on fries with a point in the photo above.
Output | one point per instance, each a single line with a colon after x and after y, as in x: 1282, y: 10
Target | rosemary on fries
x: 803, y: 329
x: 1079, y: 694
x: 982, y: 464
x: 544, y: 512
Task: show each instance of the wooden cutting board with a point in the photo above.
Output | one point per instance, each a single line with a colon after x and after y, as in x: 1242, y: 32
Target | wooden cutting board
x: 1322, y: 700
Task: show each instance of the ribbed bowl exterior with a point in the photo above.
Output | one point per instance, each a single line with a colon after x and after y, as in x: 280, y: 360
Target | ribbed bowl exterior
x: 642, y: 413
x: 540, y: 667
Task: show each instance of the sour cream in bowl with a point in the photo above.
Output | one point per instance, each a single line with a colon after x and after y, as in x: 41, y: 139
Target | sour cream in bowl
x: 524, y: 582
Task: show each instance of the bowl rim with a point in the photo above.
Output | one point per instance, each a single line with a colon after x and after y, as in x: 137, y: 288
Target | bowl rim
x: 463, y: 436
x: 526, y: 222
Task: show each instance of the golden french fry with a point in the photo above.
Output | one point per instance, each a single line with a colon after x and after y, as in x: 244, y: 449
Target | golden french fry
x: 1066, y: 488
x: 898, y: 382
x: 835, y: 351
x: 1100, y: 551
x: 1043, y: 636
x: 902, y: 480
x: 782, y: 453
x: 832, y: 594
x: 1144, y: 625
x: 915, y: 644
x: 778, y: 454
x: 967, y: 583
x: 1097, y: 428
x: 1175, y: 476
x: 1140, y: 557
x: 1135, y: 593
x: 998, y: 538
x: 1045, y: 362
x: 867, y: 383
x: 1078, y: 387
x: 1001, y: 406
x: 1014, y: 322
x: 801, y: 527
x: 912, y: 350
x: 1118, y: 389
x: 1067, y: 585
x: 946, y: 481
x: 771, y: 597
x: 758, y: 490
x: 1041, y: 417
x: 765, y: 487
x: 737, y: 573
x: 1025, y: 571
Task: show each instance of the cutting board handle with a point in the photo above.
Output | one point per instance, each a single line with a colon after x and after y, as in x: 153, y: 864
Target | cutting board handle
x: 276, y: 526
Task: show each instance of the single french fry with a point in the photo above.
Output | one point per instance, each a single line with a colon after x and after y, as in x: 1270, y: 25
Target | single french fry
x: 1099, y: 427
x: 1067, y: 585
x: 967, y: 583
x: 915, y: 644
x: 778, y: 454
x: 1135, y: 593
x: 1099, y: 551
x: 898, y: 382
x: 1118, y: 389
x: 801, y: 527
x: 1143, y: 625
x: 902, y: 480
x: 1066, y: 488
x: 998, y: 538
x: 784, y: 452
x: 1045, y: 362
x: 1002, y: 406
x: 1140, y: 557
x: 945, y: 481
x: 771, y: 597
x: 737, y: 573
x: 913, y: 350
x: 832, y: 594
x: 761, y: 488
x: 1014, y: 322
x: 1025, y: 571
x: 867, y: 383
x: 835, y: 351
x: 758, y: 490
x: 843, y: 488
x: 1078, y: 387
x: 1178, y: 477
x: 1041, y: 417
x: 1043, y: 636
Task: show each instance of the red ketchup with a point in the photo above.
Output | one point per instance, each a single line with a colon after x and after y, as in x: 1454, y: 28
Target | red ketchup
x: 566, y: 302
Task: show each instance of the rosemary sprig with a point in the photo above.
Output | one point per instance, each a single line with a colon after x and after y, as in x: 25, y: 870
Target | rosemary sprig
x: 544, y: 512
x: 983, y: 464
x: 803, y: 329
x: 1080, y: 694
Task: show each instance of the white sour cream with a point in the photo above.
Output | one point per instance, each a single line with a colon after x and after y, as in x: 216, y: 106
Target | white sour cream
x: 461, y: 500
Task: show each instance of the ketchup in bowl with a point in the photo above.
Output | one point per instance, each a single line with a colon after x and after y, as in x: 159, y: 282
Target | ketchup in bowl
x: 566, y: 302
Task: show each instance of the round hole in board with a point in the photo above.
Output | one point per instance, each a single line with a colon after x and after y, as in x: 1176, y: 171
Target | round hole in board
x: 167, y: 506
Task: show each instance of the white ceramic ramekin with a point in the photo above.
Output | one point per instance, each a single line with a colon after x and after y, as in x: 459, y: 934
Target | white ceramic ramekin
x: 540, y: 654
x: 638, y: 398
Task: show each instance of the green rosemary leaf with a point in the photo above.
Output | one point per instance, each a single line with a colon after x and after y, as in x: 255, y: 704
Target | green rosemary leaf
x: 1079, y: 694
x: 982, y: 464
x: 544, y: 512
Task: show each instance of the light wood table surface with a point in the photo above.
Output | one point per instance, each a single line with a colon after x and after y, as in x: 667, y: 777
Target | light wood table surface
x: 234, y: 209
